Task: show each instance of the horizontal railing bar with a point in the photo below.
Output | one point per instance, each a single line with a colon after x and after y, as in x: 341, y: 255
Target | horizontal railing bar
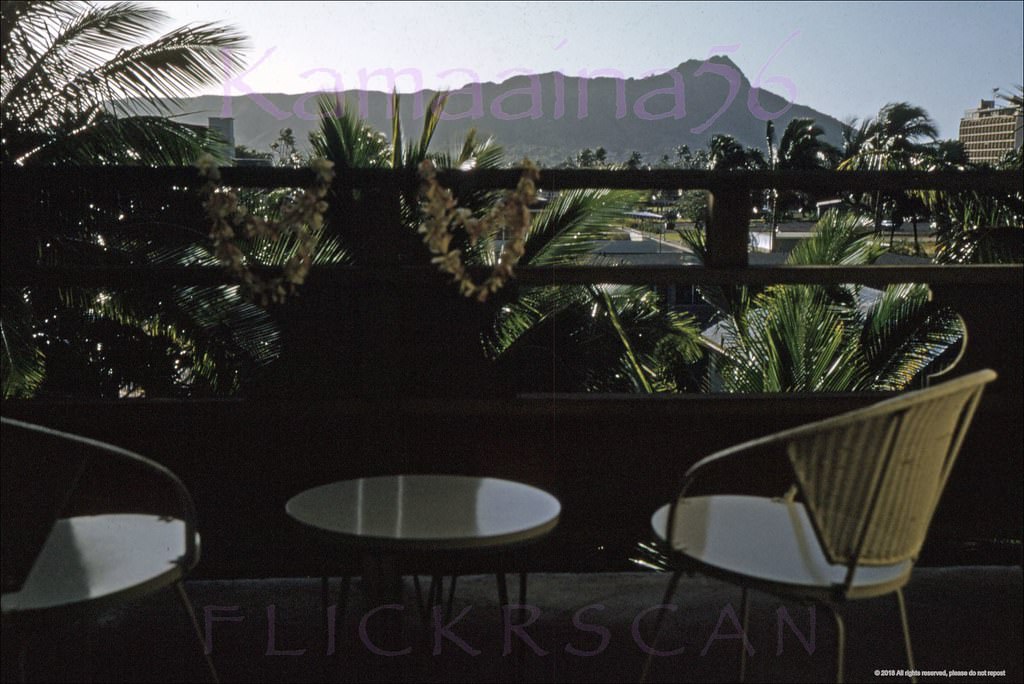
x: 816, y: 180
x: 132, y: 276
x: 185, y: 176
x: 552, y: 179
x: 766, y: 275
x: 531, y: 406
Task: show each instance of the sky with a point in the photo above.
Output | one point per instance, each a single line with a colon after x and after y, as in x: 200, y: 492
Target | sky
x: 845, y: 59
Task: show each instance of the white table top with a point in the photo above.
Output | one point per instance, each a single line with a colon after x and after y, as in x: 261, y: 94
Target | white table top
x: 429, y: 512
x: 101, y: 557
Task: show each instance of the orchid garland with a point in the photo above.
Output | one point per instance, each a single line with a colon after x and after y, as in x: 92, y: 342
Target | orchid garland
x: 442, y: 217
x: 302, y: 218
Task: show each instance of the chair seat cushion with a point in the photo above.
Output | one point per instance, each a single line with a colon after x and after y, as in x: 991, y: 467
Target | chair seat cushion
x: 769, y: 544
x: 100, y: 558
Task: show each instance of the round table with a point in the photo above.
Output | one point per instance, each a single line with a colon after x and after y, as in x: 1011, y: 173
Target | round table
x: 392, y: 515
x: 428, y: 512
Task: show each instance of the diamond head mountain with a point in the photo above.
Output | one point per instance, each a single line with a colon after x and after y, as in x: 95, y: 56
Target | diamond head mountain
x: 546, y: 117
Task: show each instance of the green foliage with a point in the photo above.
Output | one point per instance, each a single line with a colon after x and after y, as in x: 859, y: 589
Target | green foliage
x: 801, y: 148
x: 804, y: 338
x: 243, y: 152
x: 792, y: 340
x: 607, y: 337
x: 970, y: 227
x: 588, y: 338
x: 975, y: 228
x: 85, y: 84
x: 75, y: 76
x: 725, y: 153
x: 22, y: 362
x: 286, y: 150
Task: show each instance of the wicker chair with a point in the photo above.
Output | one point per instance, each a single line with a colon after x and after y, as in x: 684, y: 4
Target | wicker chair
x: 866, y: 485
x: 92, y: 562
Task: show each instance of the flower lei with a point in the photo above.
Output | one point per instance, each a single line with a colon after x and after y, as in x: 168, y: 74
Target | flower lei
x: 303, y: 218
x: 442, y: 216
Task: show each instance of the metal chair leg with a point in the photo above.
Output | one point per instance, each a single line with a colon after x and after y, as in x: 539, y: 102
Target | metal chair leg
x: 180, y: 587
x: 673, y: 583
x: 840, y: 641
x: 906, y: 631
x: 743, y: 642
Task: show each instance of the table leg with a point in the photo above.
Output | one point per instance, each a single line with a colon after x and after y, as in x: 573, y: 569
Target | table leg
x: 325, y: 594
x: 346, y: 587
x: 451, y: 599
x: 434, y: 598
x: 436, y: 590
x: 333, y: 619
x: 421, y: 605
x: 502, y: 591
x: 381, y: 575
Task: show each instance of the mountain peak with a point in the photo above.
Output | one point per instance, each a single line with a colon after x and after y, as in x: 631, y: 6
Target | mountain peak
x: 550, y: 117
x: 693, y: 64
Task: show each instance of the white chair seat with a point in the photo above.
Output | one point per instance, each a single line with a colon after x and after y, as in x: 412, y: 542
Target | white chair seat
x: 767, y: 541
x: 93, y: 559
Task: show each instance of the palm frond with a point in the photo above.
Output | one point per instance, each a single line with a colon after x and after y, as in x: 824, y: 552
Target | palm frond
x: 794, y: 341
x: 903, y: 333
x: 174, y: 65
x: 64, y: 41
x: 22, y: 361
x: 144, y: 140
x: 347, y: 140
x: 633, y: 364
x: 66, y: 66
x: 730, y: 301
x: 838, y: 239
x: 573, y: 223
x: 431, y: 118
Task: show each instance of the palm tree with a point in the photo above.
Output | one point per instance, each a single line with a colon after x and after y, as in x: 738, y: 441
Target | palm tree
x: 801, y: 147
x: 855, y: 134
x: 605, y: 337
x: 588, y: 337
x: 900, y: 127
x: 900, y: 137
x: 790, y: 338
x: 79, y: 86
x: 972, y: 227
x: 725, y: 153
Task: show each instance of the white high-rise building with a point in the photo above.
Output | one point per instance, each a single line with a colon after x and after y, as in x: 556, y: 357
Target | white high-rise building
x: 989, y: 132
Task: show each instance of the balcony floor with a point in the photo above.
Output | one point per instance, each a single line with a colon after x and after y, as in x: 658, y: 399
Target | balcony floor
x: 966, y: 618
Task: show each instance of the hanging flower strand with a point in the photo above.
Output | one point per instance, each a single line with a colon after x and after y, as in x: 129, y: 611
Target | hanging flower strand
x: 442, y: 217
x: 302, y: 218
